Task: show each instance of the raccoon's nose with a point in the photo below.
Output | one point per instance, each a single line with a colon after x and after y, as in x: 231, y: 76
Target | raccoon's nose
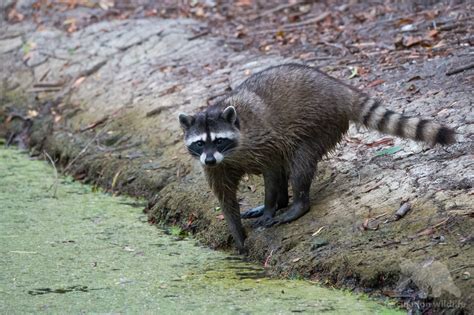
x: 210, y: 160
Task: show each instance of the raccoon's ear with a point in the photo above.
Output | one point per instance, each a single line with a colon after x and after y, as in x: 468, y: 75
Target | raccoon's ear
x: 185, y: 120
x: 229, y: 114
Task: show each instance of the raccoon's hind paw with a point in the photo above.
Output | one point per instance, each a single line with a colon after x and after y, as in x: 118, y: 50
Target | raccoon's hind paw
x: 253, y: 213
x: 296, y: 211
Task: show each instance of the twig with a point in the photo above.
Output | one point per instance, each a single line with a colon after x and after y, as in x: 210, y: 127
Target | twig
x: 56, y: 180
x: 318, y: 231
x: 50, y: 89
x: 387, y: 244
x: 95, y: 124
x: 461, y: 268
x: 380, y: 215
x: 460, y: 69
x: 267, y: 260
x: 198, y: 35
x: 48, y: 85
x: 420, y: 248
x: 85, y: 148
x: 44, y: 75
x: 440, y: 223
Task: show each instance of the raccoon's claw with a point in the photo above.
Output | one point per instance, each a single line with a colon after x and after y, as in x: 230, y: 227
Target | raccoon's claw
x: 265, y: 221
x: 253, y: 213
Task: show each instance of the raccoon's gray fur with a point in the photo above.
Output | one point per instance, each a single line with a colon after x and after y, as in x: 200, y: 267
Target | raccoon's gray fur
x: 280, y: 122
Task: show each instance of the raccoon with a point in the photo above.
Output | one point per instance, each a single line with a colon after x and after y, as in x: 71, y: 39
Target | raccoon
x: 279, y: 123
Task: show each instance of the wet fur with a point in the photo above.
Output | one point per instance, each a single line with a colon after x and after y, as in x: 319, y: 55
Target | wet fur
x: 289, y: 117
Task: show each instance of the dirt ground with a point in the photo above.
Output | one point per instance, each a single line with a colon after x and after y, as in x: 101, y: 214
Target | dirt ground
x: 98, y: 85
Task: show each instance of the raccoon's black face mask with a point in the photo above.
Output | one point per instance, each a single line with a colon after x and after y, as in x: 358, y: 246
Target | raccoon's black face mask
x: 211, y: 135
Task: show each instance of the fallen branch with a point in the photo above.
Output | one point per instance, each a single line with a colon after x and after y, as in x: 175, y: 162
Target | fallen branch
x: 460, y: 69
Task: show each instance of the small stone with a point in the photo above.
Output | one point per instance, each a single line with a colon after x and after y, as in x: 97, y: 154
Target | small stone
x: 318, y: 242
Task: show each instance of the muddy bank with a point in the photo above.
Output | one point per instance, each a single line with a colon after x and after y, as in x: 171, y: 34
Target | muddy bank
x: 103, y: 103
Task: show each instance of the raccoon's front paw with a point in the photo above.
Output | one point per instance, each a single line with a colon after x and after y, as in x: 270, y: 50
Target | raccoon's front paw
x: 253, y: 213
x: 265, y: 221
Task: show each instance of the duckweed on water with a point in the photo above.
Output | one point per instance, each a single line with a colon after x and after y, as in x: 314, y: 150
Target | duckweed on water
x: 88, y: 252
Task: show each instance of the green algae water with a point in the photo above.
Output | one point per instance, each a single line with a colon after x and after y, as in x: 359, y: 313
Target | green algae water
x: 87, y: 252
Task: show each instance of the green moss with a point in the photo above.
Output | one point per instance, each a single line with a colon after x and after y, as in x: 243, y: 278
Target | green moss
x: 87, y: 252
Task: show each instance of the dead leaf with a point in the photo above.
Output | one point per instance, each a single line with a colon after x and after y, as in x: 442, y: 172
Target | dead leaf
x: 78, y: 82
x: 375, y: 83
x: 244, y: 3
x: 280, y: 34
x: 152, y: 12
x: 432, y: 33
x: 71, y: 25
x: 267, y: 48
x: 365, y: 225
x: 200, y: 12
x: 32, y: 113
x: 440, y: 44
x: 14, y: 16
x: 69, y: 21
x: 412, y: 41
x: 106, y: 4
x: 404, y: 21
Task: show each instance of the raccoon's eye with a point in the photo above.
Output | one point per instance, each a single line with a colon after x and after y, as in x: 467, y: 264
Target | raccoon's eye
x: 219, y: 141
x: 200, y: 143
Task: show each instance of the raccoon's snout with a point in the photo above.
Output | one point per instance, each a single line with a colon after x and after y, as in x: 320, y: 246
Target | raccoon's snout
x: 210, y: 160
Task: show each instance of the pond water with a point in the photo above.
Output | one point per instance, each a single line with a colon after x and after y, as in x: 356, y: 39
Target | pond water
x: 65, y: 247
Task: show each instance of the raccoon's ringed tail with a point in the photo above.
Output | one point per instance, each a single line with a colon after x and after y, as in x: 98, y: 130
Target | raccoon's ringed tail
x: 375, y: 116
